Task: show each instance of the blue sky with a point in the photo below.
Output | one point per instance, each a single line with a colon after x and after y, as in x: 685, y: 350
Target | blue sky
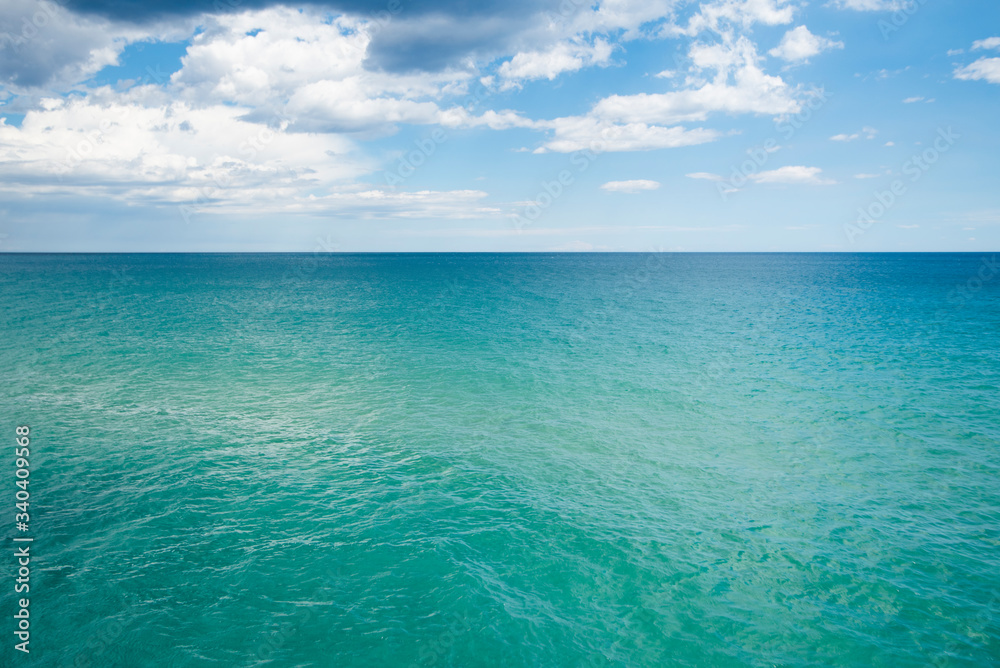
x: 409, y: 125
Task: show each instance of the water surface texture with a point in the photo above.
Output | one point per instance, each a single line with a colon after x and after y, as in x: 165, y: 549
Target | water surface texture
x: 506, y: 460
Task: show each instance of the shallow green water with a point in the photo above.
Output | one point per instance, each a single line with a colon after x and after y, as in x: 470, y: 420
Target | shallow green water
x: 506, y: 460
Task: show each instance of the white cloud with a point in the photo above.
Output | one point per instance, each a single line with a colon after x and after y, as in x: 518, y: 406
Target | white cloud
x: 911, y: 100
x: 796, y: 174
x: 456, y: 204
x: 166, y: 151
x: 890, y: 143
x: 751, y: 91
x: 722, y: 15
x: 455, y: 117
x: 204, y: 158
x: 579, y: 133
x: 791, y: 175
x: 987, y: 69
x: 633, y: 186
x: 344, y: 106
x: 310, y: 70
x: 798, y: 45
x: 886, y: 74
x: 550, y: 63
x: 988, y: 43
x: 245, y: 56
x: 614, y: 15
x: 650, y: 120
x: 304, y: 81
x: 869, y: 133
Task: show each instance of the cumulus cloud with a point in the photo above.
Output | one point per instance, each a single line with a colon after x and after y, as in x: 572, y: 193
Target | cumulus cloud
x: 986, y: 69
x: 634, y: 186
x: 406, y: 35
x: 256, y: 119
x: 316, y: 72
x: 549, y: 63
x: 650, y: 120
x: 577, y: 34
x: 798, y: 45
x: 166, y: 151
x: 270, y: 103
x: 309, y: 69
x: 200, y: 159
x: 725, y: 15
x: 739, y: 86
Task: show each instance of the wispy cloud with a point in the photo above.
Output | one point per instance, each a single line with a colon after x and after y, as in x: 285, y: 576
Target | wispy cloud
x: 706, y: 176
x: 793, y: 175
x: 867, y: 132
x: 988, y: 43
x: 634, y: 186
x: 790, y: 175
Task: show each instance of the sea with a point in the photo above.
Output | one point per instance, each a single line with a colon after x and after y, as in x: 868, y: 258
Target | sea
x: 580, y: 460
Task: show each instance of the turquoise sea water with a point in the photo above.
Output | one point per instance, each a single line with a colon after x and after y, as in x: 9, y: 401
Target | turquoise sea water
x: 505, y: 460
